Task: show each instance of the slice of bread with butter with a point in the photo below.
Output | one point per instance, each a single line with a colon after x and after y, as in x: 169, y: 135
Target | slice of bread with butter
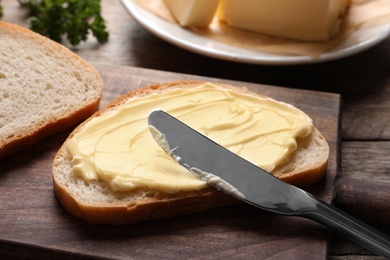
x: 305, y: 20
x: 44, y: 88
x: 111, y: 171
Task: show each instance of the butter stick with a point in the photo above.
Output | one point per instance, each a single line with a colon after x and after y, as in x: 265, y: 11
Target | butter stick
x: 198, y: 13
x: 307, y: 20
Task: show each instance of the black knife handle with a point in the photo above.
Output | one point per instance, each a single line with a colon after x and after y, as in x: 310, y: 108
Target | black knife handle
x: 351, y: 227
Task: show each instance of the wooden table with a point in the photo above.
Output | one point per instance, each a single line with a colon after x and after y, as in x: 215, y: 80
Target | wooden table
x: 362, y: 80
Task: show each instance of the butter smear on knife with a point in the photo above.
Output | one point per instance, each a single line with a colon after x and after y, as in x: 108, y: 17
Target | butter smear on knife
x: 210, y: 178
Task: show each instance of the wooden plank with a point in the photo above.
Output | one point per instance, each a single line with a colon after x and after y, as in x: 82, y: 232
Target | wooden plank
x: 367, y: 200
x: 33, y: 221
x: 361, y: 160
x: 363, y: 189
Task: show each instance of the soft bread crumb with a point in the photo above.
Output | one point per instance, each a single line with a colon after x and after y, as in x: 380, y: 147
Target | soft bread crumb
x: 44, y: 88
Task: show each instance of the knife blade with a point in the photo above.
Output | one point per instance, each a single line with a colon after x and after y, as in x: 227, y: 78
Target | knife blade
x: 245, y: 181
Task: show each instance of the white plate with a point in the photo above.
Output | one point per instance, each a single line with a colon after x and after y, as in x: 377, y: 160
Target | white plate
x: 188, y: 40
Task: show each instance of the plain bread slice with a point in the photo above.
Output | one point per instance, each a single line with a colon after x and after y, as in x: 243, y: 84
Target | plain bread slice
x: 44, y: 88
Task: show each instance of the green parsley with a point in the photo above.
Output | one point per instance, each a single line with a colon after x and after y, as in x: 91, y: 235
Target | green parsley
x: 1, y: 10
x: 72, y: 19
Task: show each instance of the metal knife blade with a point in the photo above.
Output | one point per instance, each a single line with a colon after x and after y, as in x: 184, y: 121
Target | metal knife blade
x: 220, y: 167
x: 237, y: 177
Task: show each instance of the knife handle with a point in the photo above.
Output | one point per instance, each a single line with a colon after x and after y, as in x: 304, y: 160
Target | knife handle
x: 352, y: 228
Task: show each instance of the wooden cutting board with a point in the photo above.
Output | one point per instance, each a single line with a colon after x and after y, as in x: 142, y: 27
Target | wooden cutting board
x: 33, y: 223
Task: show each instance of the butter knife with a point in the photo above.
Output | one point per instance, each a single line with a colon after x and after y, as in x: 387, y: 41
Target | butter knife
x: 245, y: 181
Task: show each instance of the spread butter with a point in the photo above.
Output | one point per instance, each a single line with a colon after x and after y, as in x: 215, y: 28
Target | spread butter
x: 118, y: 148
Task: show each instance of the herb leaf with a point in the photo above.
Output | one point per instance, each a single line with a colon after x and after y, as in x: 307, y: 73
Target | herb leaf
x: 1, y: 10
x: 72, y: 19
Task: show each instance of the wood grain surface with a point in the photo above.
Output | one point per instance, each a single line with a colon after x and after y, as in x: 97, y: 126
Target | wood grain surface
x: 362, y: 80
x: 31, y: 216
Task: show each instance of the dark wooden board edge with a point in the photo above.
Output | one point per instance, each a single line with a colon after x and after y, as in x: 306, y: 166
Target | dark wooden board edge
x: 34, y: 224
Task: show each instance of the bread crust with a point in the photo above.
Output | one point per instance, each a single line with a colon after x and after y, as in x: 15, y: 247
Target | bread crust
x: 164, y: 206
x: 31, y: 135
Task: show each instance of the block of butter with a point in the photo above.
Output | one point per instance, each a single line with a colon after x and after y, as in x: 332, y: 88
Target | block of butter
x: 198, y: 13
x: 308, y: 20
